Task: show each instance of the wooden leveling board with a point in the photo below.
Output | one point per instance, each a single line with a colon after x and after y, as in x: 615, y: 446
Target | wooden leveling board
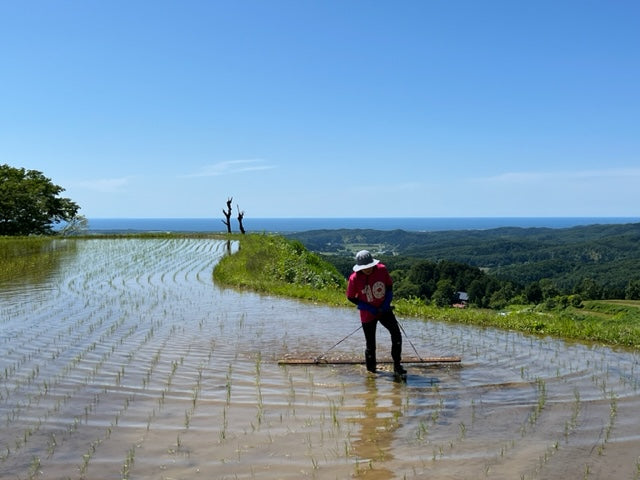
x: 352, y: 361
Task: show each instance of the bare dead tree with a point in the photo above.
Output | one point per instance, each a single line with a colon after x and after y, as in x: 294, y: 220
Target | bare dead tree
x: 227, y: 215
x: 240, y: 218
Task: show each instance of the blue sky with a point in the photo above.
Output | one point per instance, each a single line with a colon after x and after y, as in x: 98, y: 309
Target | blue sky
x: 326, y: 108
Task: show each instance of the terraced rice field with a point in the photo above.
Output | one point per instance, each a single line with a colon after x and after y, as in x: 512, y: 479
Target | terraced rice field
x: 119, y: 358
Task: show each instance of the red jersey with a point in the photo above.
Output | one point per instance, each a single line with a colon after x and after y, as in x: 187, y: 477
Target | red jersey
x: 369, y: 288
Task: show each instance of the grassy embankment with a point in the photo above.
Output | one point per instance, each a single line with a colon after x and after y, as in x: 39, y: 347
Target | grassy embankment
x: 274, y: 265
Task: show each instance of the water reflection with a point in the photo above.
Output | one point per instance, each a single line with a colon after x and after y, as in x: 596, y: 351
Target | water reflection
x: 32, y: 261
x: 378, y: 419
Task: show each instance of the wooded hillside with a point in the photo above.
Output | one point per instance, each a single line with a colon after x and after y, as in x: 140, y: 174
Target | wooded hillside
x: 603, y: 258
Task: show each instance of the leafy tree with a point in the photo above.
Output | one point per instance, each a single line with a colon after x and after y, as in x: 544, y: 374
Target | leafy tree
x: 589, y: 289
x: 29, y: 203
x: 424, y: 276
x: 548, y: 288
x: 477, y: 293
x: 402, y: 286
x: 500, y: 298
x: 576, y: 301
x: 632, y: 291
x: 533, y: 293
x: 444, y: 294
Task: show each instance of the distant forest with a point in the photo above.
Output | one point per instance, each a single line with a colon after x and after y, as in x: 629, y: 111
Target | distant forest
x: 497, y: 266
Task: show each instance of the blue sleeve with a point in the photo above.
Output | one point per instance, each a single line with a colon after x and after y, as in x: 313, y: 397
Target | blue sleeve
x: 388, y: 296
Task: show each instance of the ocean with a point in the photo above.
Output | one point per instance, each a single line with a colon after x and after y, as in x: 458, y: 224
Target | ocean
x: 291, y: 225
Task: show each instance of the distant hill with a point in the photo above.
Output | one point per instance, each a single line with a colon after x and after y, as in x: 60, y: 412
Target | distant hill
x: 608, y: 254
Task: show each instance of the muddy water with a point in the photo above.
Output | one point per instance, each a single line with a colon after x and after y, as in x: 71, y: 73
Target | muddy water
x: 124, y: 360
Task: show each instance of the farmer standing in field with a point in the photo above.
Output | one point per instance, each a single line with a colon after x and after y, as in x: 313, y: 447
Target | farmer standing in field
x: 370, y: 289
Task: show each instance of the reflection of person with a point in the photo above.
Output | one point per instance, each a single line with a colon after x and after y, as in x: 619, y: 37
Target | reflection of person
x: 370, y: 288
x: 378, y: 418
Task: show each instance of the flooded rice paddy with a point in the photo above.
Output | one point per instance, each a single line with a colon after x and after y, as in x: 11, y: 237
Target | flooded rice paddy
x: 119, y: 358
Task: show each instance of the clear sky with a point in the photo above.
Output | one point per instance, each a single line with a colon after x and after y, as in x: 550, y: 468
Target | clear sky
x: 327, y: 108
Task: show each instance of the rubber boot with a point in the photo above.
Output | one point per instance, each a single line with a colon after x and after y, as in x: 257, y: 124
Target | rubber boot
x: 370, y: 360
x: 396, y: 354
x: 399, y: 369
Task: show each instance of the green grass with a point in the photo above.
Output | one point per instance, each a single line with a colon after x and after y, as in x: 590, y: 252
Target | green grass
x: 588, y: 324
x: 272, y: 264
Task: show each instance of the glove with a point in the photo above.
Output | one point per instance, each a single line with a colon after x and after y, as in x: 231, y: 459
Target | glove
x: 368, y: 307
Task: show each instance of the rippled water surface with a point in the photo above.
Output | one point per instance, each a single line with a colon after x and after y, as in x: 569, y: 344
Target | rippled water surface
x: 121, y: 359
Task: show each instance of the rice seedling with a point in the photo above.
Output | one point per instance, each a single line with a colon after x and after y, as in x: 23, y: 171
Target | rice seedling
x: 34, y: 468
x: 225, y: 424
x: 128, y: 462
x: 613, y: 413
x: 259, y: 399
x: 334, y: 411
x: 422, y: 430
x: 131, y: 349
x: 228, y: 384
x: 463, y: 430
x: 637, y: 469
x: 571, y: 424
